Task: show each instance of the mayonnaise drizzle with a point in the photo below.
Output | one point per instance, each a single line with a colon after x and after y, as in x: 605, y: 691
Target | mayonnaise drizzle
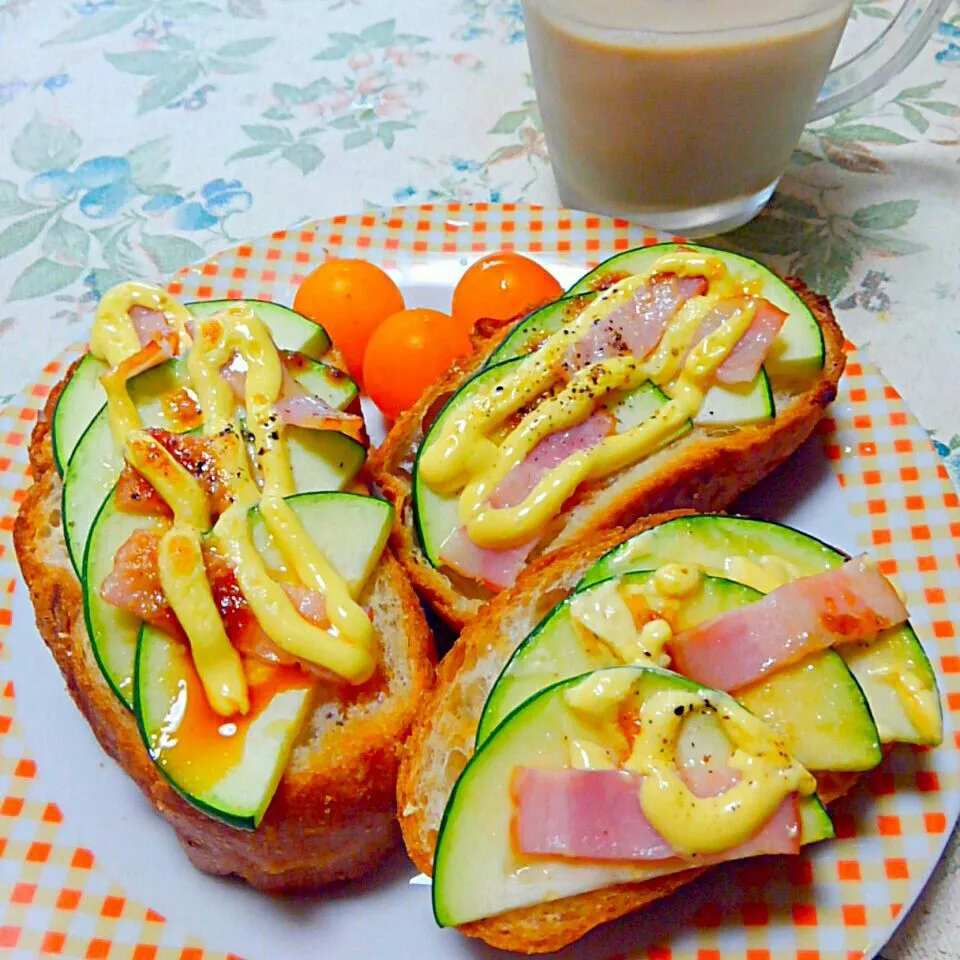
x: 347, y: 647
x: 463, y: 459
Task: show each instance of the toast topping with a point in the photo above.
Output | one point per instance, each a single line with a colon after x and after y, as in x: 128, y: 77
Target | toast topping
x: 695, y: 808
x: 235, y: 337
x: 851, y: 603
x: 183, y: 579
x: 616, y: 776
x: 115, y: 336
x: 688, y: 325
x: 710, y: 824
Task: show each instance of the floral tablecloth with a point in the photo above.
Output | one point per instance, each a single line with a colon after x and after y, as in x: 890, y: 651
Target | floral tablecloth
x: 139, y: 135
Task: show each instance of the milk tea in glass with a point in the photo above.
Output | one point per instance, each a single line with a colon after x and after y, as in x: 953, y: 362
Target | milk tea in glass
x: 679, y: 114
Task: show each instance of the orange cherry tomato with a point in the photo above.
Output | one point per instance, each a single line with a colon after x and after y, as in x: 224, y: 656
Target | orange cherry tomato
x: 407, y: 353
x: 501, y: 286
x: 349, y: 299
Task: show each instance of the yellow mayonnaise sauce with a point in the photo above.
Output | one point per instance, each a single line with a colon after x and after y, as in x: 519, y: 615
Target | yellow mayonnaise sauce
x: 917, y: 698
x: 605, y: 613
x: 705, y: 825
x: 114, y: 337
x: 464, y: 460
x: 692, y: 825
x: 184, y: 582
x: 346, y: 647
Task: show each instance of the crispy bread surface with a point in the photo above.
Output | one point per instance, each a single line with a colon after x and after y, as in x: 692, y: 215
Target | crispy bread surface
x: 702, y: 470
x: 442, y: 741
x: 334, y: 814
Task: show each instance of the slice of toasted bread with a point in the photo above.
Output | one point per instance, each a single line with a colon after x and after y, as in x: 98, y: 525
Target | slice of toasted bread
x: 704, y: 469
x: 334, y: 814
x: 442, y: 742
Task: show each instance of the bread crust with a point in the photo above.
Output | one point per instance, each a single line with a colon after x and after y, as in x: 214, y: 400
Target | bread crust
x: 707, y: 476
x: 448, y: 725
x: 334, y: 813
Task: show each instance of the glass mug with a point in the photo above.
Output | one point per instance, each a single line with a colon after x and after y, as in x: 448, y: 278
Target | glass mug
x: 682, y: 114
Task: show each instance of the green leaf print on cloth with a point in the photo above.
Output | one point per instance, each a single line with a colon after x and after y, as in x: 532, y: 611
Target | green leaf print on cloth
x: 822, y: 246
x: 365, y: 96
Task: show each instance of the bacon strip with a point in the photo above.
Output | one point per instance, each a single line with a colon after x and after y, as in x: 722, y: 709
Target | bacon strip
x: 134, y: 585
x: 150, y: 324
x: 495, y: 569
x: 744, y: 361
x: 637, y: 325
x: 850, y: 603
x: 499, y: 568
x: 299, y: 408
x: 135, y: 494
x: 596, y: 815
x: 550, y: 452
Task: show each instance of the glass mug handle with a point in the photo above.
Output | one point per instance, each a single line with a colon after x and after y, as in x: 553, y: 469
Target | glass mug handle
x: 891, y: 52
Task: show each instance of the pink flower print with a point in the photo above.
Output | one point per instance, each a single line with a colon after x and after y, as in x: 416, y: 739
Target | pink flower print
x: 369, y: 83
x: 466, y: 60
x: 392, y: 103
x: 336, y: 103
x: 359, y: 60
x: 402, y: 58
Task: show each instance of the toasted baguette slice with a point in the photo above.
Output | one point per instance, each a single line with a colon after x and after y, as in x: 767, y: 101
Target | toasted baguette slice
x: 442, y: 742
x: 704, y: 469
x: 334, y: 814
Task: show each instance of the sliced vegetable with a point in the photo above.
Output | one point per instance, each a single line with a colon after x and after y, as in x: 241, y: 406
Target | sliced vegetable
x: 893, y: 670
x: 290, y: 330
x: 83, y: 397
x: 229, y: 768
x: 113, y: 632
x: 817, y: 706
x: 535, y: 328
x: 319, y: 463
x: 798, y: 349
x: 477, y: 871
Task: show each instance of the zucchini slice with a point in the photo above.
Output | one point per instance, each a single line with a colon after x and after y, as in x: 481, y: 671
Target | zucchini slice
x: 83, y: 397
x: 113, y: 632
x: 477, y: 874
x: 893, y: 670
x: 80, y: 401
x: 436, y: 517
x: 535, y: 328
x: 798, y: 349
x: 738, y: 405
x: 817, y: 706
x: 229, y: 768
x: 290, y: 330
x: 321, y: 460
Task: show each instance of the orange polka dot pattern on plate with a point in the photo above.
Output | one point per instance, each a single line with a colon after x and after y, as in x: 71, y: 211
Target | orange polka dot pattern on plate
x: 839, y: 901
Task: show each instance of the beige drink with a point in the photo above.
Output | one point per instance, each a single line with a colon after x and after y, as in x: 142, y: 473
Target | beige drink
x: 678, y: 112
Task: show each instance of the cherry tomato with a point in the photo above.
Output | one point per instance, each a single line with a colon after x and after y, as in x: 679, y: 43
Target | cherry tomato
x: 349, y: 299
x: 407, y: 353
x: 501, y: 286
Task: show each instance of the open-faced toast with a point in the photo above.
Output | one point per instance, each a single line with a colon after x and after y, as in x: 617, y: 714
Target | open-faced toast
x: 464, y: 714
x: 705, y: 468
x: 333, y: 815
